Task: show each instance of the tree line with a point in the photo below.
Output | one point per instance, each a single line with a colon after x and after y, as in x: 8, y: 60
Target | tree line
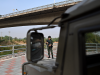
x: 89, y: 38
x: 53, y: 39
x: 5, y: 41
x: 12, y: 40
x: 92, y: 38
x: 9, y: 40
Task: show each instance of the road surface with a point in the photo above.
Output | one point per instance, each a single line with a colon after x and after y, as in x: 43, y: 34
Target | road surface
x: 13, y: 66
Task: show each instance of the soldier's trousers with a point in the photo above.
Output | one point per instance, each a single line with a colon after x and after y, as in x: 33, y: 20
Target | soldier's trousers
x: 50, y: 49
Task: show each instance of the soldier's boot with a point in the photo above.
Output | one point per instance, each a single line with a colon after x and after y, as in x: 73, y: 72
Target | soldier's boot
x: 49, y: 56
x: 52, y: 56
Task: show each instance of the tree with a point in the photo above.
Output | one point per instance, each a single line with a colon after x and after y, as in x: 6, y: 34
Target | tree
x: 92, y: 38
x: 16, y: 38
x: 0, y: 15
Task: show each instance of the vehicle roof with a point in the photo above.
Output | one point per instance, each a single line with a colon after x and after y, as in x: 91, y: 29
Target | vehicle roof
x: 82, y: 7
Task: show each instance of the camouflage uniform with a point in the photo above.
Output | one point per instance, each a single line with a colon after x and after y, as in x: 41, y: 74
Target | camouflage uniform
x: 50, y: 47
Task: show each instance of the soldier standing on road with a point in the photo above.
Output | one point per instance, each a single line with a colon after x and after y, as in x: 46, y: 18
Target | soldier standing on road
x: 49, y: 43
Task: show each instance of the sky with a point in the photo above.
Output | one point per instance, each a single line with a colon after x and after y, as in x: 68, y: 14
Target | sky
x: 7, y: 6
x: 20, y: 32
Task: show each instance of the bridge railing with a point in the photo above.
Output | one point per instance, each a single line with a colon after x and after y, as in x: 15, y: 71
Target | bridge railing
x: 41, y: 8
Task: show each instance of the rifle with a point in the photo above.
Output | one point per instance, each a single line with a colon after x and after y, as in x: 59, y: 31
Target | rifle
x: 49, y: 44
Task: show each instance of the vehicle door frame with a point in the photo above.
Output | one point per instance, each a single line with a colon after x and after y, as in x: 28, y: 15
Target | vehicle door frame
x: 75, y: 58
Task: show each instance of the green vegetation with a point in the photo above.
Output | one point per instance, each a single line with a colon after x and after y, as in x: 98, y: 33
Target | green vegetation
x: 53, y: 39
x: 15, y: 41
x: 10, y: 48
x: 5, y: 53
x: 0, y: 15
x: 92, y: 38
x: 10, y: 52
x: 5, y: 41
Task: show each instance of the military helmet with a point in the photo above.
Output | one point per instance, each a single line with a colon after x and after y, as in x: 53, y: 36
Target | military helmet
x: 49, y: 36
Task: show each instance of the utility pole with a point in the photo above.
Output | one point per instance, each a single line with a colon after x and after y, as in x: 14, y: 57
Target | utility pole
x: 1, y: 35
x: 54, y: 4
x: 66, y: 1
x: 54, y: 1
x: 9, y: 36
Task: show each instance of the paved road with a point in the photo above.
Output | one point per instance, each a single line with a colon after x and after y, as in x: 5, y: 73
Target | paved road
x: 13, y: 66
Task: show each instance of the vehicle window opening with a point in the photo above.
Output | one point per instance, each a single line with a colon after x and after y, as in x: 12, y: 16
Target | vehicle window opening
x: 92, y: 49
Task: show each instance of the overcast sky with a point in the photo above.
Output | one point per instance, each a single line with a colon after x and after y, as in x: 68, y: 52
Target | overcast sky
x: 7, y: 6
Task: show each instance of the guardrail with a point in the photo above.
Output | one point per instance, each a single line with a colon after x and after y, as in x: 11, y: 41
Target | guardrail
x: 13, y: 51
x: 20, y: 53
x: 91, y: 48
x: 41, y: 8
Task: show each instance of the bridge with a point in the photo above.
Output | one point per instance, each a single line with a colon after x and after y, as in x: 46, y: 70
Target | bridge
x: 36, y: 16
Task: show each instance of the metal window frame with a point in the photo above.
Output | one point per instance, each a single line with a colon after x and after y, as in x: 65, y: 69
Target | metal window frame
x: 90, y: 60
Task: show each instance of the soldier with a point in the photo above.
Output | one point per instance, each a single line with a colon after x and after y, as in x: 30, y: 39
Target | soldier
x: 49, y: 46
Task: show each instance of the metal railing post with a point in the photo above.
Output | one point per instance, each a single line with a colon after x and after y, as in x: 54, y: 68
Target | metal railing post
x: 56, y: 46
x: 13, y: 51
x: 96, y: 47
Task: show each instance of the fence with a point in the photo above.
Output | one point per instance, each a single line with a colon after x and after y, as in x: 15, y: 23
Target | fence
x: 91, y: 48
x: 20, y: 53
x: 41, y: 8
x: 12, y: 51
